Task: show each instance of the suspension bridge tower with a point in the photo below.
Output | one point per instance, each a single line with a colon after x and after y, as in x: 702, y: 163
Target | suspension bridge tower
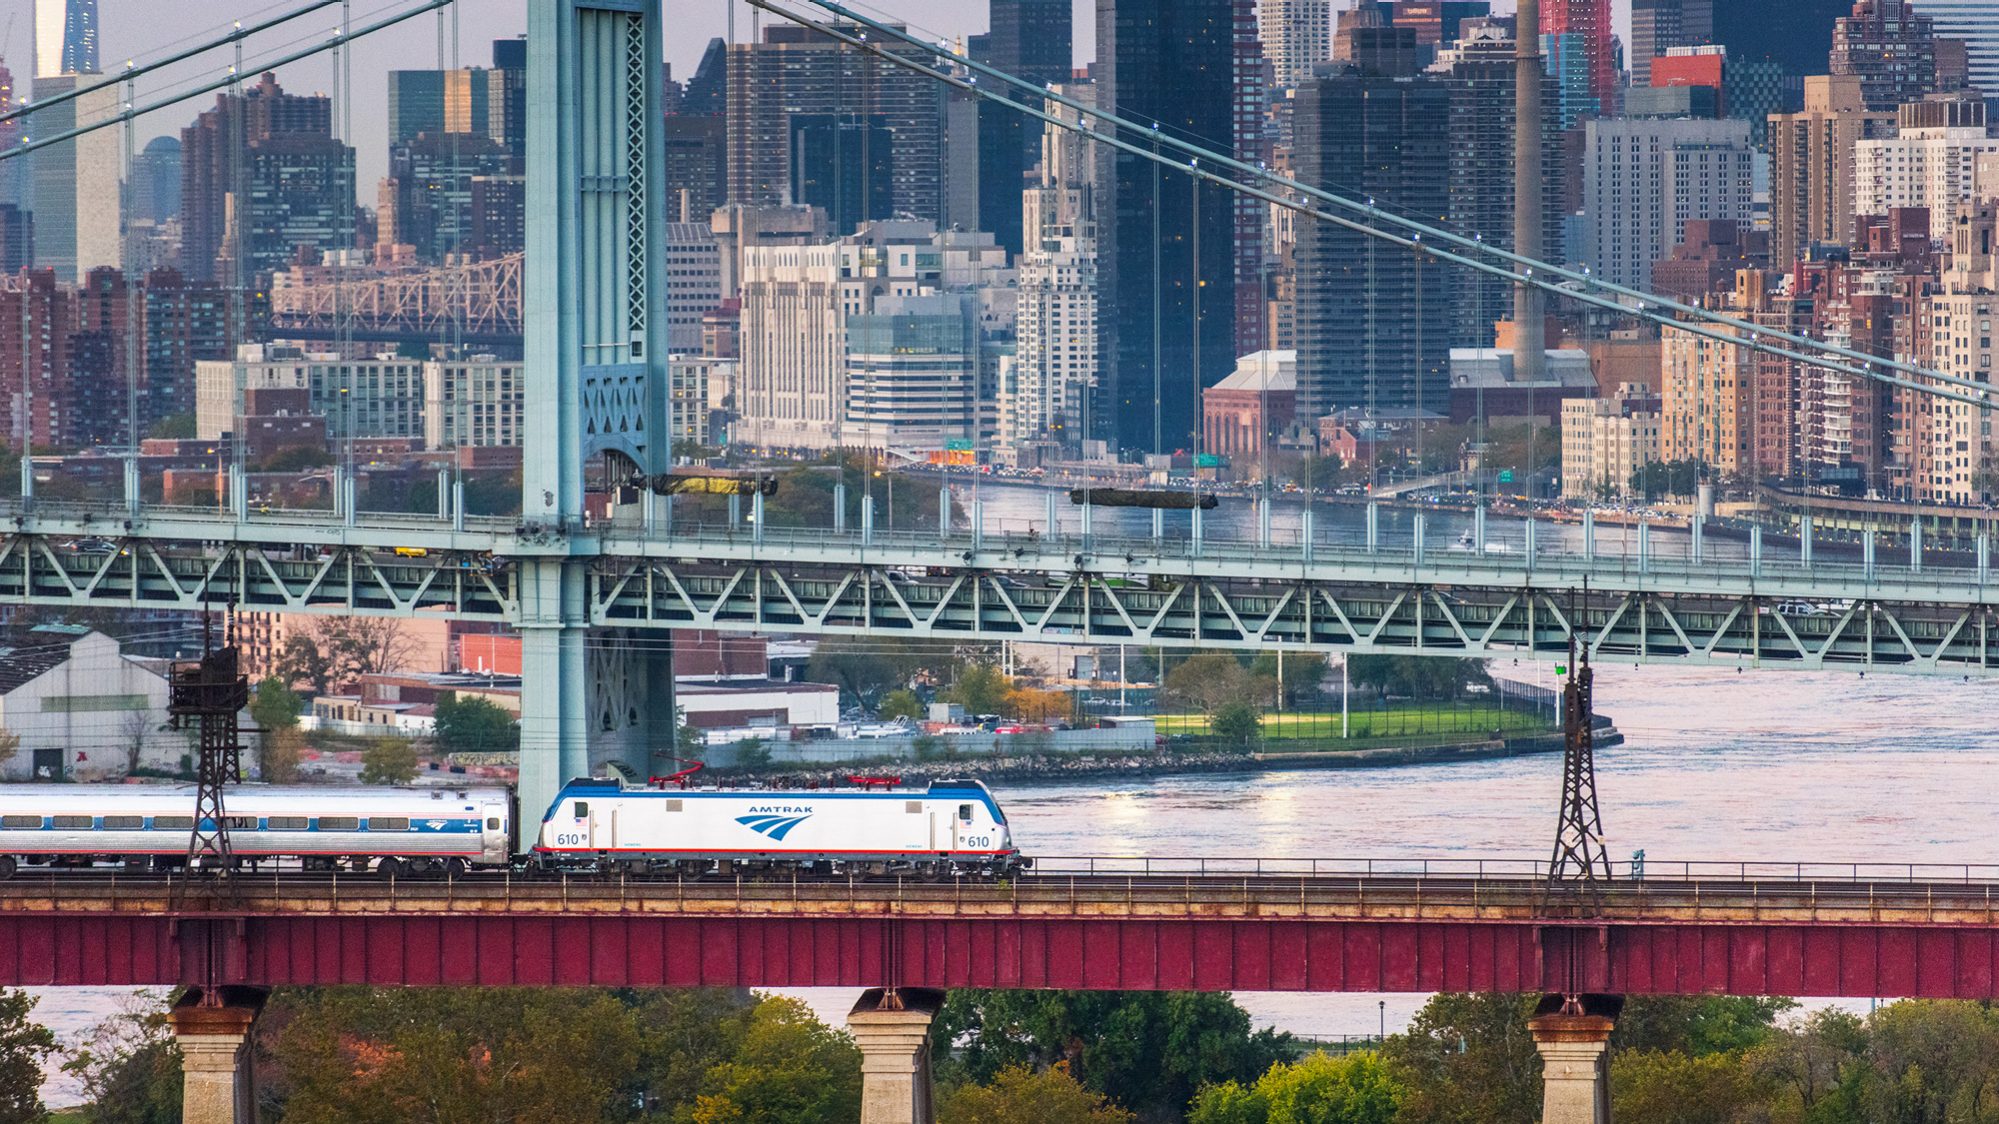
x: 596, y: 381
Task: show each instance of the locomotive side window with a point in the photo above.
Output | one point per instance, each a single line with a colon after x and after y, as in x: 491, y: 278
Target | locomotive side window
x: 492, y: 823
x: 173, y: 823
x: 124, y: 823
x: 339, y: 823
x: 582, y: 809
x: 20, y: 823
x: 285, y: 823
x: 242, y: 823
x: 388, y: 823
x: 72, y: 822
x: 964, y: 813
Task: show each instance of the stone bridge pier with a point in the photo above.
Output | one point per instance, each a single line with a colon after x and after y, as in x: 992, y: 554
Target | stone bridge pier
x: 1572, y: 1033
x: 217, y: 1068
x: 892, y: 1028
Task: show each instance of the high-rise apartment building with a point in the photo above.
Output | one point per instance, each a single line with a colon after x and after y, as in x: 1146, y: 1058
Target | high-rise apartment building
x: 796, y: 70
x: 844, y: 164
x: 1373, y: 321
x: 39, y: 320
x: 1891, y: 47
x: 1643, y: 179
x: 1931, y: 162
x: 1046, y: 385
x: 1605, y: 441
x: 489, y: 102
x: 77, y: 183
x: 14, y: 175
x: 1167, y: 250
x: 65, y: 39
x: 1297, y: 35
x: 1812, y: 176
x: 693, y: 283
x: 153, y: 192
x: 1794, y: 34
x: 1659, y: 25
x: 1976, y: 23
x: 1589, y: 21
x: 379, y: 397
x: 1481, y: 69
x: 223, y: 156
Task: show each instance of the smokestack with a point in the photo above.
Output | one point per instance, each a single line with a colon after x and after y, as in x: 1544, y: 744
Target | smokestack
x: 1529, y: 325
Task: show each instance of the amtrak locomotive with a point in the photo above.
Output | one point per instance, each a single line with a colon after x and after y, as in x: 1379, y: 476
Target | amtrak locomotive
x: 593, y: 825
x: 951, y: 825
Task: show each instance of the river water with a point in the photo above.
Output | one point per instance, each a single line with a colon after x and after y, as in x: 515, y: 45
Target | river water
x: 1717, y: 765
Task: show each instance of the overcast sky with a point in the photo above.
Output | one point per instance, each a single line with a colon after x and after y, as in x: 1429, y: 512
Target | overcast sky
x: 147, y: 28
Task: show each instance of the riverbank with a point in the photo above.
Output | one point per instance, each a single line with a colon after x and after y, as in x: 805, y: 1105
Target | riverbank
x: 1051, y: 767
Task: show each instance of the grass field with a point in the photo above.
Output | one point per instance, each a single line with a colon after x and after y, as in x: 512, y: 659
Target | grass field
x: 1398, y: 724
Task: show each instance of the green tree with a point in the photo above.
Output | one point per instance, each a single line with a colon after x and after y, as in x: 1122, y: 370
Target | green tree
x: 1318, y: 1089
x: 1022, y: 1095
x: 388, y: 761
x: 1207, y: 681
x: 1468, y: 1059
x: 1417, y: 677
x: 1816, y: 1067
x: 1236, y: 722
x: 981, y: 689
x: 274, y: 710
x: 1150, y: 1050
x: 1716, y: 1088
x: 24, y: 1046
x: 474, y: 725
x: 1303, y: 672
x: 864, y: 669
x: 1698, y: 1024
x: 1932, y: 1060
x: 295, y: 458
x: 789, y: 1067
x: 174, y: 427
x: 901, y: 703
x: 128, y: 1068
x: 301, y: 663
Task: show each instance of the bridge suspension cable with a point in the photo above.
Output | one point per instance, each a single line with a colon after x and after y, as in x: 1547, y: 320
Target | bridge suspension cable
x: 1754, y: 336
x: 236, y: 34
x: 131, y: 112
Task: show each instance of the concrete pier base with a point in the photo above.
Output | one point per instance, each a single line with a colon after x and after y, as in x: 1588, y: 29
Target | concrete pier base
x: 215, y: 1057
x: 1574, y: 1043
x: 893, y: 1031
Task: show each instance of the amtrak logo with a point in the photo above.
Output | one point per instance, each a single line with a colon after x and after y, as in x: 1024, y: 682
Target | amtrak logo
x: 775, y: 826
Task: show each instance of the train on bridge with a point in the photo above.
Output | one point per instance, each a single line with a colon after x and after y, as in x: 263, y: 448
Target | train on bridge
x: 606, y: 826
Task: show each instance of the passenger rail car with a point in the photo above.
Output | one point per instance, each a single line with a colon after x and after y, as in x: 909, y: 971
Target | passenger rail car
x: 392, y: 830
x: 949, y: 826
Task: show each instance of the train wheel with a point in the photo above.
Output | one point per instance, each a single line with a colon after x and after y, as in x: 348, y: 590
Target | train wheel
x: 454, y: 868
x: 7, y: 867
x: 389, y: 868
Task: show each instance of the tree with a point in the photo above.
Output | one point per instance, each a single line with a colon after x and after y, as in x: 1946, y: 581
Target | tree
x: 864, y: 670
x: 10, y: 745
x: 128, y: 1067
x: 901, y: 703
x: 1207, y: 681
x: 789, y: 1067
x: 1237, y: 723
x: 1716, y: 1088
x: 300, y: 662
x: 1318, y: 1089
x: 1031, y: 704
x: 24, y: 1046
x: 1022, y: 1095
x: 1150, y: 1050
x: 388, y: 761
x: 1468, y: 1059
x: 357, y: 646
x: 1303, y: 672
x: 981, y: 689
x: 275, y: 706
x: 1818, y: 1062
x: 278, y: 755
x: 174, y: 427
x: 134, y: 731
x: 474, y: 725
x: 1698, y: 1024
x: 1931, y: 1060
x: 1417, y: 677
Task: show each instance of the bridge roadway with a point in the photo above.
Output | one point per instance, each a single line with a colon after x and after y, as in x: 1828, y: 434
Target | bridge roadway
x: 1329, y: 593
x: 1754, y: 930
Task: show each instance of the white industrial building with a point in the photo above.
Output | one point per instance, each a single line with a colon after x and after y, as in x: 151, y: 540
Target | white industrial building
x: 80, y: 709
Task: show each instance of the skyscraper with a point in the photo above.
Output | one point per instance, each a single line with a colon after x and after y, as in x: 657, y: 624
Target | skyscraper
x: 1373, y: 321
x: 1034, y: 40
x: 13, y: 173
x: 1796, y: 34
x: 1977, y: 23
x: 1891, y: 47
x: 1644, y: 179
x: 218, y: 153
x: 1297, y: 34
x: 76, y: 183
x: 1812, y: 166
x: 1659, y: 25
x: 1167, y: 250
x: 798, y: 70
x: 65, y: 38
x: 1589, y: 21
